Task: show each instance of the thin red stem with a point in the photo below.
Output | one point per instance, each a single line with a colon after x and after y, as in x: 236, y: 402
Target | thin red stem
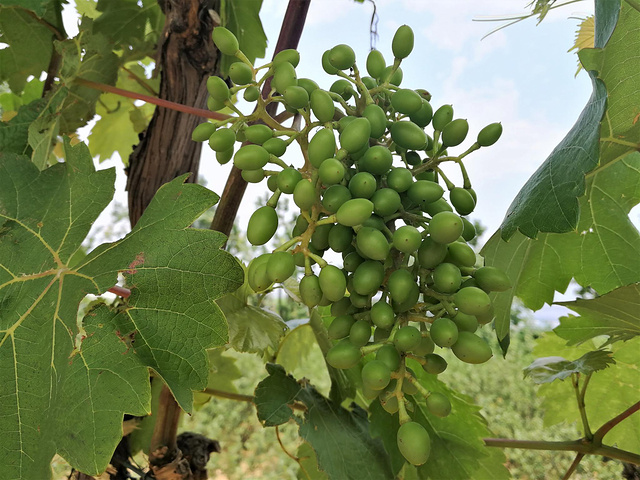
x: 604, y: 429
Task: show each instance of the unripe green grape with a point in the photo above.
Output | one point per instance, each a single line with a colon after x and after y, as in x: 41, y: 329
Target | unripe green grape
x: 407, y: 338
x: 225, y: 40
x: 408, y: 135
x: 369, y: 83
x: 222, y: 139
x: 445, y: 227
x: 332, y: 283
x: 372, y: 243
x: 354, y: 212
x: 465, y: 323
x: 454, y: 132
x: 343, y: 355
x: 472, y: 301
x: 413, y: 158
x: 381, y: 335
x: 300, y: 226
x: 389, y: 404
x: 443, y: 332
x: 343, y: 88
x: 376, y: 375
x: 375, y: 64
x: 423, y: 116
x: 377, y: 160
x: 326, y: 64
x: 359, y: 301
x: 310, y: 291
x: 461, y: 254
x: 251, y: 157
x: 492, y: 279
x: 288, y: 179
x: 402, y: 43
x: 320, y: 237
x: 362, y: 185
x: 304, y: 194
x: 322, y: 106
x: 446, y: 278
x: 340, y: 238
x: 409, y: 303
x: 469, y: 282
x: 240, y: 73
x: 406, y: 101
x: 386, y: 201
x: 425, y: 347
x: 218, y: 88
x: 262, y: 225
x: 344, y: 121
x: 407, y: 239
x: 252, y: 269
x: 284, y: 75
x: 352, y: 261
x: 334, y: 196
x: 414, y: 443
x: 321, y: 147
x: 296, y: 97
x: 223, y: 157
x: 377, y: 118
x: 368, y: 277
x: 487, y: 317
x: 215, y: 105
x: 252, y: 176
x: 489, y: 134
x: 342, y: 307
x: 331, y: 171
x: 388, y: 354
x: 462, y: 201
x: 396, y: 77
x: 309, y: 85
x: 355, y: 135
x: 382, y: 315
x: 202, y: 132
x: 376, y: 222
x: 428, y: 175
x: 431, y: 254
x: 437, y: 207
x: 258, y: 133
x: 434, y: 363
x: 442, y: 116
x: 438, y: 404
x: 423, y: 192
x: 251, y: 93
x: 400, y: 284
x: 342, y: 57
x: 468, y: 231
x: 471, y: 349
x: 360, y: 333
x: 280, y: 266
x: 400, y: 179
x: 275, y: 146
x: 289, y: 55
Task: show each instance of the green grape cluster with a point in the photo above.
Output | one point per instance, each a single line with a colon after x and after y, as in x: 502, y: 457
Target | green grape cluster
x: 373, y: 190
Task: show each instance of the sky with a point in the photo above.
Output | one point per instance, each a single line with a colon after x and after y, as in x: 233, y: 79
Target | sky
x: 522, y: 76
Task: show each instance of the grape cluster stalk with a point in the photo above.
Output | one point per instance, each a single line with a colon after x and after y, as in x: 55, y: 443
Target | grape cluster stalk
x: 373, y: 190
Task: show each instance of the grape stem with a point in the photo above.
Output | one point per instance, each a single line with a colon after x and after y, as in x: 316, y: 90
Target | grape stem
x: 573, y: 466
x: 575, y: 382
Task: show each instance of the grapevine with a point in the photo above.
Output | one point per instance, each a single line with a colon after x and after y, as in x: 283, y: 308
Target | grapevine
x: 371, y: 189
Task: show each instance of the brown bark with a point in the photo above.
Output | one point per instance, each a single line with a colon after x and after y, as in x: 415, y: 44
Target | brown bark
x: 186, y: 58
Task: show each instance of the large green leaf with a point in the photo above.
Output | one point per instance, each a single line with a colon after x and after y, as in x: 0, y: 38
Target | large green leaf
x: 30, y: 47
x: 616, y: 314
x: 126, y: 22
x: 67, y: 384
x: 243, y: 19
x: 340, y: 437
x: 610, y: 391
x: 604, y: 250
x: 14, y: 134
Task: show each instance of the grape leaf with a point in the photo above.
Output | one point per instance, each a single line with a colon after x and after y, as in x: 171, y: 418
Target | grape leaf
x: 616, y: 314
x: 30, y: 47
x: 67, y: 382
x: 14, y: 134
x: 223, y: 372
x: 118, y: 127
x: 308, y: 461
x: 10, y: 102
x: 251, y: 329
x: 39, y: 7
x: 274, y: 395
x: 548, y: 369
x: 601, y: 405
x: 126, y: 22
x: 43, y: 131
x: 340, y: 437
x: 457, y: 446
x: 243, y: 19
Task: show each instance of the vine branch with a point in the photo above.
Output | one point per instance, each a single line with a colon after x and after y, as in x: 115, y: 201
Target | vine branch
x: 604, y: 429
